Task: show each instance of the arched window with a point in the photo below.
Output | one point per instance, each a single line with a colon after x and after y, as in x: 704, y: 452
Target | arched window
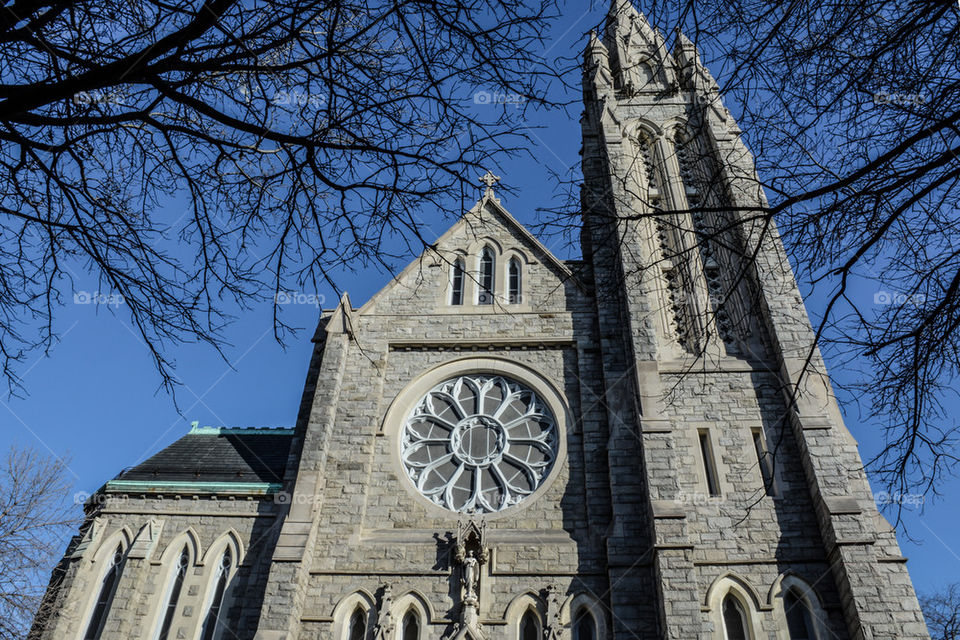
x: 410, y: 627
x: 213, y: 622
x: 734, y: 619
x: 107, y: 587
x: 528, y: 626
x: 358, y: 625
x: 513, y: 285
x: 456, y: 282
x: 799, y: 620
x: 486, y: 277
x: 176, y: 585
x: 584, y: 628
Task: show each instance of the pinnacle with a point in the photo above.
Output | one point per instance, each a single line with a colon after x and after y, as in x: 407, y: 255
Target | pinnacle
x: 623, y: 16
x: 682, y: 39
x: 594, y: 43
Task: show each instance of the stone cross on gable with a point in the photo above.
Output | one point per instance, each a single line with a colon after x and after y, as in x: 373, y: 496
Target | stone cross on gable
x: 489, y: 179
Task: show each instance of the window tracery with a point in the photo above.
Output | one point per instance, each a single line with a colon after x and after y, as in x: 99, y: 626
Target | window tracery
x: 479, y: 443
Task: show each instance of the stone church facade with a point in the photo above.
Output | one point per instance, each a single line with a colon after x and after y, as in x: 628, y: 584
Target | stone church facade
x: 503, y: 445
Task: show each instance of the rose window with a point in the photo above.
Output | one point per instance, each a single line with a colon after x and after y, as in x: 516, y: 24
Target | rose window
x: 478, y: 443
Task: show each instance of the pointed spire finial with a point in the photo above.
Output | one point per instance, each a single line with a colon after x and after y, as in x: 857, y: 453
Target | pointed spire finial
x: 489, y: 180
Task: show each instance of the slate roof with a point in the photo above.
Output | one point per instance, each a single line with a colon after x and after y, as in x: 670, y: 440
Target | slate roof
x: 218, y: 455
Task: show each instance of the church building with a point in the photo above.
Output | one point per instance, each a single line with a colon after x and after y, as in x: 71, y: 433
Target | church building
x: 502, y: 445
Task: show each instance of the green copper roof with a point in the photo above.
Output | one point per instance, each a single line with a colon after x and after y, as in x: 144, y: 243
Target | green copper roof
x: 196, y: 429
x: 173, y: 486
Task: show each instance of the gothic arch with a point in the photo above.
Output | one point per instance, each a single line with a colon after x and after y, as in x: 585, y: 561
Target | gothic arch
x: 590, y: 604
x: 517, y: 252
x: 107, y: 544
x: 473, y: 281
x: 518, y: 607
x: 412, y: 601
x: 189, y: 537
x: 731, y: 584
x: 790, y: 581
x: 343, y: 612
x: 415, y: 599
x: 474, y: 248
x: 641, y: 126
x: 229, y: 537
x: 514, y: 258
x: 210, y: 562
x: 95, y: 567
x: 164, y: 575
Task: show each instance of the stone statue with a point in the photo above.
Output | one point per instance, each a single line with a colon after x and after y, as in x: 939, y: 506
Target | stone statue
x: 385, y: 624
x: 554, y: 603
x: 470, y: 574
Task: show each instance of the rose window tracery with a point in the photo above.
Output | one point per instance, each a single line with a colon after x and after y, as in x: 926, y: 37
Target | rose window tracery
x: 478, y: 443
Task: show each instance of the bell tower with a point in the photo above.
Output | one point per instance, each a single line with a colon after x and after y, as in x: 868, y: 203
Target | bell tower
x: 756, y: 499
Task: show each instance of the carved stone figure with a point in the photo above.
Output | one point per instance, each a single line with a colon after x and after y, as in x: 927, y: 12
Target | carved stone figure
x: 553, y: 628
x: 470, y: 574
x: 385, y: 623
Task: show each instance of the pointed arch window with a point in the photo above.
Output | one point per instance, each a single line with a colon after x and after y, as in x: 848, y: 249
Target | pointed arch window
x: 487, y: 268
x: 734, y: 619
x: 107, y: 588
x: 529, y: 629
x: 410, y: 627
x: 176, y: 585
x: 514, y: 281
x: 214, y: 621
x: 357, y: 629
x: 799, y: 619
x: 584, y: 627
x: 456, y: 282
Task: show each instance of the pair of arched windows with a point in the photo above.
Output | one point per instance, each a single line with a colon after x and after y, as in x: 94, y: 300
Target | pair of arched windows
x: 409, y: 625
x: 486, y: 280
x: 214, y: 622
x: 799, y: 618
x: 584, y: 627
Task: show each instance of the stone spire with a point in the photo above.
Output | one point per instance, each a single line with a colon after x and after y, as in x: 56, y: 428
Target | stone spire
x: 695, y: 74
x: 596, y: 65
x: 639, y: 57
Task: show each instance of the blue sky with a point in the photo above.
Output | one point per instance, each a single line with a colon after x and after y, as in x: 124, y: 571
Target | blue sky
x: 95, y: 398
